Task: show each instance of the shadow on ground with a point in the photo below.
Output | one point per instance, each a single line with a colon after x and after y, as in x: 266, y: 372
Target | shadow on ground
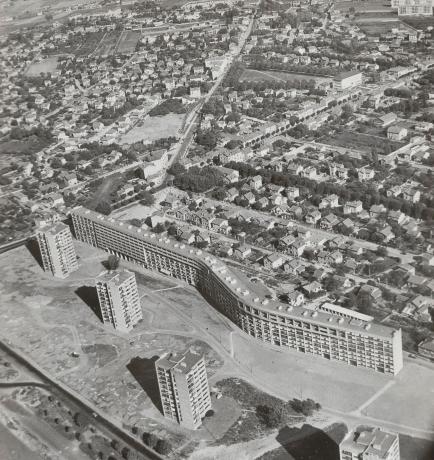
x: 143, y: 370
x: 415, y: 448
x: 33, y: 247
x: 89, y: 296
x: 311, y: 443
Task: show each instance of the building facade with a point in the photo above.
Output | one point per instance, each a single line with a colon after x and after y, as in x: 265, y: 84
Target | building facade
x: 415, y: 7
x: 333, y: 335
x: 57, y: 250
x: 347, y: 80
x: 370, y: 444
x: 119, y: 299
x: 184, y: 390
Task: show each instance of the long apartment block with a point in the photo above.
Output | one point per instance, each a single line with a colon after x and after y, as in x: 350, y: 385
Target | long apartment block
x: 327, y: 330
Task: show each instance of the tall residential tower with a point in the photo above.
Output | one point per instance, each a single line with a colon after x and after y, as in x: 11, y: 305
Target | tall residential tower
x: 57, y: 250
x: 184, y: 390
x: 119, y: 299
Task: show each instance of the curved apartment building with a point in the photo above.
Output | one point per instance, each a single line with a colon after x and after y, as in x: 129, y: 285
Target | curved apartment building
x: 329, y: 331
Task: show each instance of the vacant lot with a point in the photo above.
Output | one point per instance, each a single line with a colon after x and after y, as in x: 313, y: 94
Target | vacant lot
x: 105, y: 190
x: 29, y: 145
x: 46, y: 65
x: 364, y: 6
x: 265, y: 75
x: 128, y: 42
x: 307, y: 443
x: 49, y: 319
x: 416, y: 406
x: 415, y: 448
x: 108, y: 45
x: 371, y: 27
x: 154, y: 128
x: 361, y: 142
x: 20, y: 8
x: 420, y: 22
x: 87, y: 44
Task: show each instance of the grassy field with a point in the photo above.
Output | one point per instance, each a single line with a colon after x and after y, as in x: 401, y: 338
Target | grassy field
x: 265, y: 75
x: 153, y: 128
x: 47, y: 65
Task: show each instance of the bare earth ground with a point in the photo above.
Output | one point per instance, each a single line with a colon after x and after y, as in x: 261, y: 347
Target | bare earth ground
x: 264, y: 75
x: 128, y: 41
x: 44, y: 66
x: 154, y: 128
x: 134, y: 211
x: 48, y: 319
x: 11, y: 448
x: 26, y: 431
x: 19, y: 7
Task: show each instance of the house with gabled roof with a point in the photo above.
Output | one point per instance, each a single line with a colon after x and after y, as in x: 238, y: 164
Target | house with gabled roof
x: 313, y: 217
x: 329, y: 222
x: 273, y: 261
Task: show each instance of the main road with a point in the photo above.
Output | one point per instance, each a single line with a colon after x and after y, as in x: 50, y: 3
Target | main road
x: 180, y: 150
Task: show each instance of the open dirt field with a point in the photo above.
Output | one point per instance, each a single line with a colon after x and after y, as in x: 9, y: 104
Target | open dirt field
x: 154, y: 128
x: 413, y: 388
x: 19, y: 8
x: 128, y: 41
x: 44, y: 66
x: 364, y: 6
x: 49, y: 319
x: 108, y: 44
x: 361, y: 142
x: 268, y: 75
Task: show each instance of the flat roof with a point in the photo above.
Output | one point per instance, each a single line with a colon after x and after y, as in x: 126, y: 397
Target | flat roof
x: 348, y: 74
x: 116, y: 277
x: 54, y: 229
x: 245, y: 290
x: 369, y: 441
x: 181, y: 362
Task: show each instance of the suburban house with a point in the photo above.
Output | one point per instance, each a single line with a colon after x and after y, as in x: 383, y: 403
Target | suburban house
x: 396, y: 132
